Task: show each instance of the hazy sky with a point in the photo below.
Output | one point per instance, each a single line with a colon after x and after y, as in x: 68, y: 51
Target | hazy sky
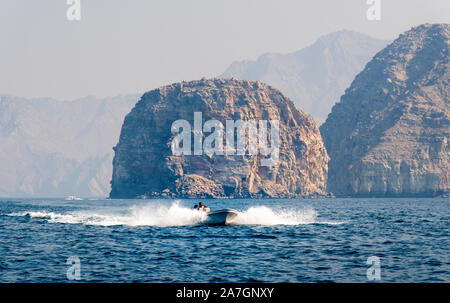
x: 133, y: 46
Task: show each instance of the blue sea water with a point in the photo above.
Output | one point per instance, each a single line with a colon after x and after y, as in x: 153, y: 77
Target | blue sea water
x: 306, y: 240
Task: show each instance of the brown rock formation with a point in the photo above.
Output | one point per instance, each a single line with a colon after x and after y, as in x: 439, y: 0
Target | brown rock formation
x: 389, y: 134
x: 144, y: 164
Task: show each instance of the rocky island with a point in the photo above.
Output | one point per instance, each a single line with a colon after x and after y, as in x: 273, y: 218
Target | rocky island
x: 389, y: 134
x: 144, y: 164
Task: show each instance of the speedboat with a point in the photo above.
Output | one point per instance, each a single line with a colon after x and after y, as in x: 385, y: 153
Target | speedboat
x: 221, y: 217
x: 72, y: 198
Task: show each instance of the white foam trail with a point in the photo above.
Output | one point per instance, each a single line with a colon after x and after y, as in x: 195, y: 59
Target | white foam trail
x: 177, y: 215
x: 147, y: 215
x: 163, y: 215
x: 71, y: 218
x: 262, y: 215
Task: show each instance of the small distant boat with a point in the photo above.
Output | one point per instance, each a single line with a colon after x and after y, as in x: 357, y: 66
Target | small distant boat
x: 72, y: 198
x: 221, y: 217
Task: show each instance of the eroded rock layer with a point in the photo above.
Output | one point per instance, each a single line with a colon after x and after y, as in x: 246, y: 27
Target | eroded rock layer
x: 389, y: 134
x: 144, y: 164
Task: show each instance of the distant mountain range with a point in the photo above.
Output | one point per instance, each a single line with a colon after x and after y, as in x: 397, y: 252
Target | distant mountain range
x: 314, y: 77
x: 55, y: 148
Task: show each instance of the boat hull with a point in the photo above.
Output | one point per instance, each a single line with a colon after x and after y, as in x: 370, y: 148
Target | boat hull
x: 221, y: 217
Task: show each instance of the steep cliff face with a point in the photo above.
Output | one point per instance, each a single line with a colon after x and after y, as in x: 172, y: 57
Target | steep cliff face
x: 389, y: 134
x: 145, y: 165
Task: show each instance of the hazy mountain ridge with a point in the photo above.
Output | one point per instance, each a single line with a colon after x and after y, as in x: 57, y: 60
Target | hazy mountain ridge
x: 57, y: 148
x: 314, y: 77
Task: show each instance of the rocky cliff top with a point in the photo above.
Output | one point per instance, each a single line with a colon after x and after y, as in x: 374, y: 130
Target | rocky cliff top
x: 389, y: 133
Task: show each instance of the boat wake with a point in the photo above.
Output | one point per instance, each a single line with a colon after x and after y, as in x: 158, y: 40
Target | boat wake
x: 176, y: 214
x: 263, y: 215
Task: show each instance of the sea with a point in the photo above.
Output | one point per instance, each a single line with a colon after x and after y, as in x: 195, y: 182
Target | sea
x: 272, y: 240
